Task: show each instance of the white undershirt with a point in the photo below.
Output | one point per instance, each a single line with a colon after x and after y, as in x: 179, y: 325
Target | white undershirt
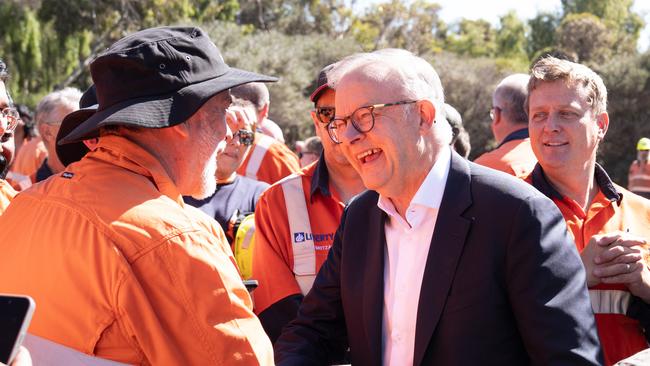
x: 405, y: 257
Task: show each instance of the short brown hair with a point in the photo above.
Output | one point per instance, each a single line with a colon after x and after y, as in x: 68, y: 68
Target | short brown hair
x: 550, y: 69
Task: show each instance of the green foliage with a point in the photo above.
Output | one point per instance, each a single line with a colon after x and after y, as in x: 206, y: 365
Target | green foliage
x: 587, y: 36
x: 475, y: 38
x: 542, y: 33
x: 511, y: 37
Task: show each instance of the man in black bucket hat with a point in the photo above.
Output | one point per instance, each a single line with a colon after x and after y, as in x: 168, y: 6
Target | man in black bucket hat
x: 119, y: 266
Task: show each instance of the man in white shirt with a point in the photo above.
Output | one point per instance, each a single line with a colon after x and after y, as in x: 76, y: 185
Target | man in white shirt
x: 441, y: 262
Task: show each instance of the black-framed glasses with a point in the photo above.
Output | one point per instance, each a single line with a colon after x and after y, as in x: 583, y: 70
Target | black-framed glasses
x: 325, y: 114
x: 492, y: 112
x: 363, y: 119
x: 12, y: 116
x: 246, y: 137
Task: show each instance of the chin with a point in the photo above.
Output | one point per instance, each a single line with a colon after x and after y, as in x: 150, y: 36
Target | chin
x: 207, y: 184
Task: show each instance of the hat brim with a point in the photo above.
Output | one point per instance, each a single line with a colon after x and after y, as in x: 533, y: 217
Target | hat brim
x: 163, y: 110
x: 69, y: 153
x: 316, y: 94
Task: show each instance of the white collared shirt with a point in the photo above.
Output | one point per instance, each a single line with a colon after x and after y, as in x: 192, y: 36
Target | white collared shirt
x: 405, y: 257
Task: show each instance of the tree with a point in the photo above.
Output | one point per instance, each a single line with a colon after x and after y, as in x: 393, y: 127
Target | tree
x: 585, y: 35
x: 542, y: 33
x: 617, y: 16
x: 473, y: 38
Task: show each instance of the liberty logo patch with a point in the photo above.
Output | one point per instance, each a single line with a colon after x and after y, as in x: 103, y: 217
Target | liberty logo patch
x: 298, y: 237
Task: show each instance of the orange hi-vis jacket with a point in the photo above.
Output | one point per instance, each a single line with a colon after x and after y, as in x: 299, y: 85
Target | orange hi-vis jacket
x: 121, y: 268
x: 268, y: 160
x: 30, y: 157
x: 639, y: 177
x: 274, y: 264
x: 613, y: 209
x: 513, y: 156
x: 7, y: 193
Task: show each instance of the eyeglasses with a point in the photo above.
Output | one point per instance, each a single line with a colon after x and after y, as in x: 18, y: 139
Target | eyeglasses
x: 325, y: 114
x: 492, y: 112
x: 12, y: 117
x: 363, y: 120
x: 246, y: 137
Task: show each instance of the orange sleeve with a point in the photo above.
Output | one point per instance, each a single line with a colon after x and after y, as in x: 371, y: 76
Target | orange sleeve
x: 278, y: 163
x: 272, y: 253
x: 186, y: 286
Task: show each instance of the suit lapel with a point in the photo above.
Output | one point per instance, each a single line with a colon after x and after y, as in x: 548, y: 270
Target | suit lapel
x: 373, y: 281
x: 446, y: 248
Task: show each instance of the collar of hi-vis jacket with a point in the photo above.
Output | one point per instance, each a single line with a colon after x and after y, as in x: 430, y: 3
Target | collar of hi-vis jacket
x: 321, y: 179
x: 605, y: 184
x: 124, y: 153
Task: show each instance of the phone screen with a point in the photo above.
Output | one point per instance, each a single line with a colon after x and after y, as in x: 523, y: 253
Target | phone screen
x: 14, y: 312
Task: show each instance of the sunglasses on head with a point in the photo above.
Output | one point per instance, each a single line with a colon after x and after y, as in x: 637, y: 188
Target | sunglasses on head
x: 246, y: 137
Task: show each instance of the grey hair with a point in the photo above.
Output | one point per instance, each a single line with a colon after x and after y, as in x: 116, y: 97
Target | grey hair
x: 67, y: 97
x: 417, y: 77
x: 510, y: 96
x: 256, y: 93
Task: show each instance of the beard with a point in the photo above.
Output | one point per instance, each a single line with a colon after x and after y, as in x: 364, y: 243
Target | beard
x: 4, y: 167
x: 207, y: 184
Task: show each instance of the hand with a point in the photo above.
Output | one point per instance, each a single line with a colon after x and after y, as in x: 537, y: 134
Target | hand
x: 240, y: 118
x: 23, y: 358
x: 623, y: 260
x: 597, y: 244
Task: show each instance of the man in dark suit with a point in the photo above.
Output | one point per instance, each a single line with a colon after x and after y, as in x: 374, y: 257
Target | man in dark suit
x: 442, y: 262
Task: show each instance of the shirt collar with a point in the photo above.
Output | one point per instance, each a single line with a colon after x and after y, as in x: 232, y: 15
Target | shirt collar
x: 430, y: 192
x: 321, y: 178
x: 515, y: 135
x: 124, y: 153
x: 603, y: 181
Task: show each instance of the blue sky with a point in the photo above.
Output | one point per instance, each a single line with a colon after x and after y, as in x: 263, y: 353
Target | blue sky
x: 453, y: 10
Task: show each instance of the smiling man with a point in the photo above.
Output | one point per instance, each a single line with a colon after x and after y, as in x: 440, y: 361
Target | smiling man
x: 422, y: 271
x: 568, y: 119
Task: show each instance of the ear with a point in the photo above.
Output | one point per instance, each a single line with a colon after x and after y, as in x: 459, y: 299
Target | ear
x: 264, y: 112
x: 428, y: 113
x: 314, y: 119
x: 603, y: 124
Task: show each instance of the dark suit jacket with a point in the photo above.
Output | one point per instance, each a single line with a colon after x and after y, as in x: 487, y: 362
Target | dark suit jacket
x: 503, y: 284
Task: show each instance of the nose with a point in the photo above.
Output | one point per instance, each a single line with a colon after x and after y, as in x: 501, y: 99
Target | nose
x: 349, y: 134
x: 552, y: 123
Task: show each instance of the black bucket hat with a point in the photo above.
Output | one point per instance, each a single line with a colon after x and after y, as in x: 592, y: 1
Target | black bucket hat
x: 157, y: 78
x: 74, y: 151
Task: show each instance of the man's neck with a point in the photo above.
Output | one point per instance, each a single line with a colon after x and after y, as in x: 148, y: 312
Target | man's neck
x: 579, y: 185
x: 221, y: 179
x: 507, y: 129
x: 345, y: 180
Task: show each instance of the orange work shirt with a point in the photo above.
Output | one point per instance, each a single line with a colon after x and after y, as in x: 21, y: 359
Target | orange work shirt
x: 273, y: 260
x: 268, y: 160
x: 639, y: 178
x: 513, y: 156
x: 30, y: 157
x: 613, y: 209
x: 121, y: 268
x: 7, y: 193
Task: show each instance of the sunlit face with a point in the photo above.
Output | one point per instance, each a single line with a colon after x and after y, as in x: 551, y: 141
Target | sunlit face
x: 332, y: 151
x: 208, y: 134
x: 384, y: 157
x: 6, y: 138
x: 564, y: 131
x: 237, y: 118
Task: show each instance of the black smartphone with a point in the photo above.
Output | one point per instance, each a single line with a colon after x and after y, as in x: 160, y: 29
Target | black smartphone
x: 251, y: 285
x: 15, y: 314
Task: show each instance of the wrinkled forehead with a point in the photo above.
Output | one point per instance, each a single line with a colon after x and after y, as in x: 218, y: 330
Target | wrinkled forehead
x: 373, y: 84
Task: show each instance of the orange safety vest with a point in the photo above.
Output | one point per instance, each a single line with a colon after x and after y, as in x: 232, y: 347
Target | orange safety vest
x: 639, y: 177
